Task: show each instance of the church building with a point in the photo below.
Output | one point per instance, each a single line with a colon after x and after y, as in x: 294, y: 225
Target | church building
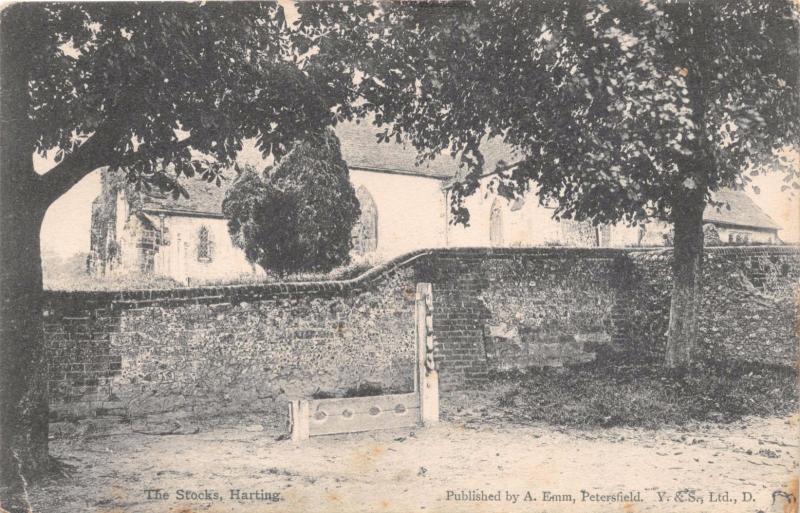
x: 404, y: 207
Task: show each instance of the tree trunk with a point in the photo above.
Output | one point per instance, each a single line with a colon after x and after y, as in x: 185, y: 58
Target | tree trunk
x: 23, y: 372
x: 686, y: 275
x: 688, y: 201
x: 24, y: 413
x: 24, y: 199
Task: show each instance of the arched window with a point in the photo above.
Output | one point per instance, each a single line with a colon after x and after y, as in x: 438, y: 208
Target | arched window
x: 603, y: 235
x: 365, y: 231
x: 205, y: 246
x: 496, y: 224
x: 162, y: 234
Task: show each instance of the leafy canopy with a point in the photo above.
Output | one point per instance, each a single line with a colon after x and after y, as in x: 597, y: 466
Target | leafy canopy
x: 620, y: 109
x: 300, y: 215
x: 162, y: 84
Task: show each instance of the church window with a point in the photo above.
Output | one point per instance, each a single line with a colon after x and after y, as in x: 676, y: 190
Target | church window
x: 205, y: 246
x: 163, y: 231
x: 365, y: 231
x: 603, y: 236
x: 496, y: 224
x: 147, y: 262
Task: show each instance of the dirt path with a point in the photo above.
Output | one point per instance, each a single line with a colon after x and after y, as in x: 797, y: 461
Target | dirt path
x: 403, y: 471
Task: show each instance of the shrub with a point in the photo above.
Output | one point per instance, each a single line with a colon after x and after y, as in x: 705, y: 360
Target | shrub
x: 299, y: 215
x: 365, y: 389
x: 599, y: 394
x: 711, y: 235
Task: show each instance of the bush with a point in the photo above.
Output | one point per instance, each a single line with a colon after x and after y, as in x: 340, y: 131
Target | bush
x: 598, y: 394
x: 711, y: 235
x: 364, y: 390
x: 300, y: 215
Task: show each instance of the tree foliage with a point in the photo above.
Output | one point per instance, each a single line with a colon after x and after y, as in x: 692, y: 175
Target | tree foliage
x: 300, y: 215
x: 179, y: 84
x: 619, y: 109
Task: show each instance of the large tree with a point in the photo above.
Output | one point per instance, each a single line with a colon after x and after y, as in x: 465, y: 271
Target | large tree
x: 139, y: 88
x: 299, y: 215
x: 622, y: 111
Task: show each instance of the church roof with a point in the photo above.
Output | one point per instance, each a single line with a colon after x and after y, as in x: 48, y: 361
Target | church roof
x: 743, y: 211
x: 361, y: 150
x: 205, y: 199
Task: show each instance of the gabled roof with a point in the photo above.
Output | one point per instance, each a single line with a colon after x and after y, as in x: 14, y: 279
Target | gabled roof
x: 204, y: 199
x: 743, y: 211
x: 361, y: 150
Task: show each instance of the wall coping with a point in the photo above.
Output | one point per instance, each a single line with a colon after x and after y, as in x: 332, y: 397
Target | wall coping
x: 133, y: 298
x: 723, y: 251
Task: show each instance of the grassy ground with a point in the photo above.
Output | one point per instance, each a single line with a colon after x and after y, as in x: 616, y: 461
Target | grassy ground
x: 83, y: 281
x: 649, y: 396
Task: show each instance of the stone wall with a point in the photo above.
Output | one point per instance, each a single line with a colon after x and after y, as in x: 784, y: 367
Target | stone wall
x: 213, y: 351
x: 248, y: 349
x: 748, y: 309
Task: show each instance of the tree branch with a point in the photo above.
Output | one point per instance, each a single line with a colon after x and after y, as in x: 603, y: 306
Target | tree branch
x: 502, y: 169
x: 498, y: 170
x: 176, y: 146
x: 92, y: 154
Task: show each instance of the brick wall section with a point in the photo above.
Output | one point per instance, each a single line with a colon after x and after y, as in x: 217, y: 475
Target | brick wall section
x: 215, y: 350
x: 458, y: 317
x: 508, y: 308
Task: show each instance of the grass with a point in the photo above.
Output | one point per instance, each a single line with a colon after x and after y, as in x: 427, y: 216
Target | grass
x: 345, y: 272
x: 63, y: 281
x: 650, y: 396
x: 83, y: 281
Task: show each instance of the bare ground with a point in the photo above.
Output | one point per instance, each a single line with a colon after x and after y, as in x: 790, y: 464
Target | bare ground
x: 404, y: 470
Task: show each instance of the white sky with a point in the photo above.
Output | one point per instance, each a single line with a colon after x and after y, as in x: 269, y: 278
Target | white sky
x: 289, y: 10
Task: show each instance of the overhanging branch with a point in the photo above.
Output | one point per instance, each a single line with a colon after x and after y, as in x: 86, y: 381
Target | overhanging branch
x: 502, y: 169
x: 497, y: 171
x: 91, y: 155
